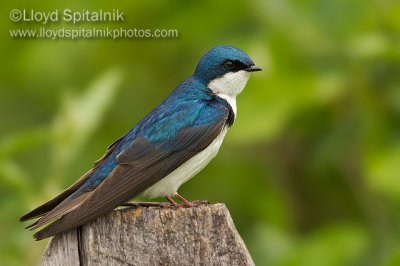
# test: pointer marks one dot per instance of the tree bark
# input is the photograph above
(137, 235)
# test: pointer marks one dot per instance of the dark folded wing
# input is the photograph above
(140, 165)
(51, 204)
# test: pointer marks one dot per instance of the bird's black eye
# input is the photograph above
(229, 65)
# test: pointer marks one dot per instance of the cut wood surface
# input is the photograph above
(137, 235)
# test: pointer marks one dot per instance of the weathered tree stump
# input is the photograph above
(203, 235)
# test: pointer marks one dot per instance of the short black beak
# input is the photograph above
(253, 69)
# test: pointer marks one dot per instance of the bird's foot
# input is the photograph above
(185, 202)
(172, 204)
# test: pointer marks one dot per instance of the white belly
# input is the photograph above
(170, 184)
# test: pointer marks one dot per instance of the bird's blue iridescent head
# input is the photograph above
(221, 60)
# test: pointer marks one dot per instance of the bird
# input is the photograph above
(169, 146)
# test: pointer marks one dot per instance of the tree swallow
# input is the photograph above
(164, 150)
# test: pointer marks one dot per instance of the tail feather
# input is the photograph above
(50, 230)
(54, 211)
(62, 209)
(32, 225)
(45, 208)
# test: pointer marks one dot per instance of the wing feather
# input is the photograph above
(141, 165)
(47, 207)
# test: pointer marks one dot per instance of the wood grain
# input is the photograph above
(137, 235)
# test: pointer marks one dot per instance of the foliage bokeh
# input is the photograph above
(310, 170)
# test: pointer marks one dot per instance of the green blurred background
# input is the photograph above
(310, 170)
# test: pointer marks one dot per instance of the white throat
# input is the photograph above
(230, 85)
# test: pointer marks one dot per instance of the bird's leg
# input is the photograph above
(172, 202)
(184, 201)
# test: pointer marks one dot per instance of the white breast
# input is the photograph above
(169, 185)
(226, 87)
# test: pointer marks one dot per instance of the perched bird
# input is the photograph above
(164, 150)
